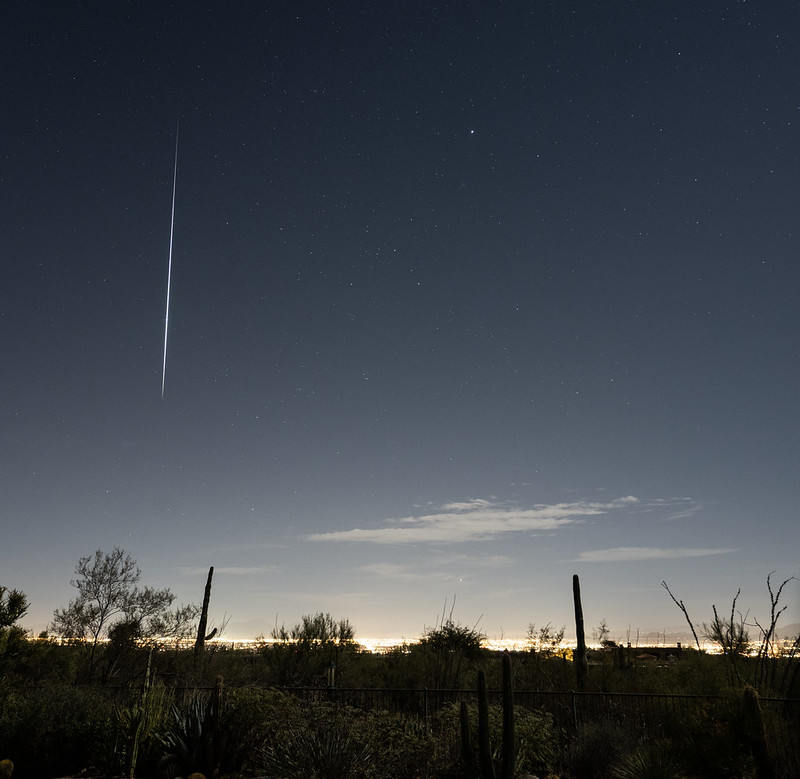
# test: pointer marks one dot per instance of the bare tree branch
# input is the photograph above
(679, 604)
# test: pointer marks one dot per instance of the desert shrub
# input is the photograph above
(302, 655)
(536, 737)
(597, 746)
(56, 731)
(406, 749)
(649, 761)
(37, 662)
(698, 673)
(714, 742)
(12, 646)
(398, 668)
(231, 739)
(542, 671)
(331, 740)
(449, 651)
(252, 717)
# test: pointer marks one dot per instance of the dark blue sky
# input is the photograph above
(466, 277)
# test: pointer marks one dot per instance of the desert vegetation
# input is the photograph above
(107, 693)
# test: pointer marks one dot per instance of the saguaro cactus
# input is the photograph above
(467, 755)
(581, 665)
(201, 628)
(485, 761)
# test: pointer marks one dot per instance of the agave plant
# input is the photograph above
(319, 748)
(138, 723)
(195, 743)
(649, 761)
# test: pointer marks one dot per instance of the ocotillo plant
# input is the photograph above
(581, 665)
(485, 762)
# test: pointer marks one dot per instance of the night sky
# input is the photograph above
(466, 298)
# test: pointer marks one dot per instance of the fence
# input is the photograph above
(653, 718)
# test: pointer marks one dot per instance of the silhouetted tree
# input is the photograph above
(109, 595)
(13, 606)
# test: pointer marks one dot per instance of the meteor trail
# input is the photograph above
(169, 270)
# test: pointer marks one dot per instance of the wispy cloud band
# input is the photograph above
(630, 553)
(474, 520)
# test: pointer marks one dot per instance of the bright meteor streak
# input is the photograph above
(169, 268)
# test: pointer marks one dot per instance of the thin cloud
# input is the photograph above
(631, 553)
(403, 572)
(387, 569)
(475, 520)
(685, 513)
(468, 505)
(447, 567)
(234, 570)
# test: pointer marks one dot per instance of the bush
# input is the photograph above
(320, 740)
(597, 747)
(253, 717)
(405, 749)
(714, 741)
(57, 731)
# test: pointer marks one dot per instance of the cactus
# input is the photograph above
(467, 754)
(485, 761)
(484, 749)
(507, 769)
(581, 665)
(201, 628)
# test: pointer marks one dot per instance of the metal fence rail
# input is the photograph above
(647, 716)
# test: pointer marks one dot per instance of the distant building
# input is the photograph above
(658, 653)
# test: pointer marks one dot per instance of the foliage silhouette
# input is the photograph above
(109, 596)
